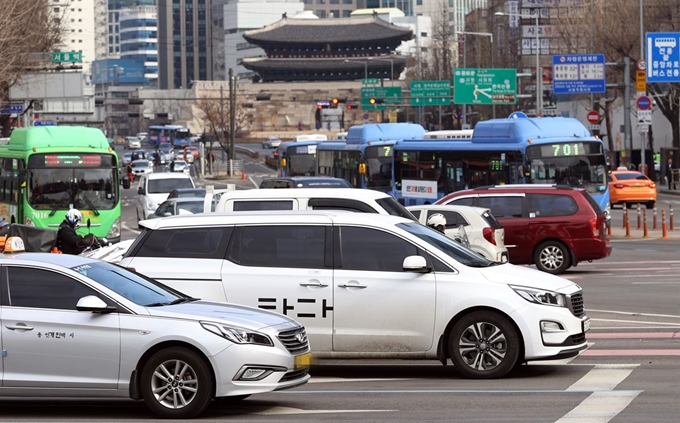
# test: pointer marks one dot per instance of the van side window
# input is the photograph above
(205, 243)
(503, 207)
(465, 201)
(371, 249)
(545, 205)
(340, 204)
(251, 205)
(282, 246)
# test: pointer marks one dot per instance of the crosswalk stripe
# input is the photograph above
(600, 407)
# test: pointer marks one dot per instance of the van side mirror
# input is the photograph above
(416, 264)
(126, 182)
(141, 191)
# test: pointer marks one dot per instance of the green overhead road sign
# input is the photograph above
(67, 56)
(430, 93)
(485, 86)
(370, 81)
(380, 98)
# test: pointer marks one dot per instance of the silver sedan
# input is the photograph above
(73, 327)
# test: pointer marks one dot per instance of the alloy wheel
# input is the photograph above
(174, 384)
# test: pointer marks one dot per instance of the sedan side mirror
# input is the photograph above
(94, 304)
(141, 191)
(416, 264)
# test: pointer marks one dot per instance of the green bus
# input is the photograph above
(45, 171)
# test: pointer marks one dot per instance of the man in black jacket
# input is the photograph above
(68, 241)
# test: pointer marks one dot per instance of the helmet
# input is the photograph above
(73, 216)
(436, 221)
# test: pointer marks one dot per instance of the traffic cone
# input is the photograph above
(243, 175)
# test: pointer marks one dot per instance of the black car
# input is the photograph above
(305, 182)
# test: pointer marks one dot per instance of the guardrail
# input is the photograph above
(247, 152)
(226, 168)
(271, 162)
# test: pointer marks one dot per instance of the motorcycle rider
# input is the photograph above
(68, 241)
(437, 221)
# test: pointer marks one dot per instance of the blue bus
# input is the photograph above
(298, 157)
(177, 135)
(364, 159)
(502, 151)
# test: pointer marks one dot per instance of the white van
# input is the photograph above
(347, 199)
(369, 285)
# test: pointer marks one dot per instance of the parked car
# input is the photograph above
(154, 189)
(74, 326)
(629, 188)
(177, 206)
(132, 143)
(552, 226)
(370, 285)
(305, 182)
(187, 193)
(141, 167)
(271, 142)
(485, 234)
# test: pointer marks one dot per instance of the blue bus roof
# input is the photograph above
(362, 134)
(457, 145)
(503, 130)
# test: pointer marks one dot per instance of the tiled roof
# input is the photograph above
(336, 64)
(337, 30)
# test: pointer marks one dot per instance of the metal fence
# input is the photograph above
(233, 168)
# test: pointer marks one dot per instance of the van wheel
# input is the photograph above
(484, 345)
(176, 384)
(552, 257)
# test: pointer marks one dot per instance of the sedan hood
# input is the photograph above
(230, 314)
(511, 274)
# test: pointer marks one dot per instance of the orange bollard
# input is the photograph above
(243, 175)
(670, 217)
(664, 234)
(609, 229)
(627, 226)
(639, 218)
(625, 216)
(654, 220)
(645, 234)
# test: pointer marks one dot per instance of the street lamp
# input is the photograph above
(364, 63)
(391, 66)
(539, 78)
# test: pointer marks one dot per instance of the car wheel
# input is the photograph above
(552, 257)
(176, 384)
(650, 205)
(484, 345)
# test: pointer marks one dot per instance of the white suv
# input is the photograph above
(369, 285)
(154, 188)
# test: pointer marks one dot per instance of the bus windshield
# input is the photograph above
(577, 164)
(57, 182)
(378, 167)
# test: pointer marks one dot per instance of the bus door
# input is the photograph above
(454, 176)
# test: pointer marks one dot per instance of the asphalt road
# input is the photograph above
(630, 372)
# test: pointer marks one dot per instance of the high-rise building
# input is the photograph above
(405, 6)
(184, 42)
(333, 9)
(78, 20)
(112, 39)
(458, 9)
(139, 39)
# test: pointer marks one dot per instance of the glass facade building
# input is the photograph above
(139, 39)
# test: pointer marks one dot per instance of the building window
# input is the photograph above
(346, 13)
(321, 2)
(347, 1)
(56, 10)
(419, 2)
(334, 1)
(321, 13)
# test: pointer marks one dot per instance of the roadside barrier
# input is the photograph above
(625, 216)
(654, 222)
(664, 234)
(627, 224)
(639, 222)
(645, 233)
(670, 217)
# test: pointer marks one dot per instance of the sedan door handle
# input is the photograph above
(19, 326)
(344, 285)
(317, 284)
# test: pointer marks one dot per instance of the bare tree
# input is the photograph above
(25, 27)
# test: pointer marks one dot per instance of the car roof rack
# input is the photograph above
(524, 186)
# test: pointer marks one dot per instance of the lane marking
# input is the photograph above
(628, 262)
(628, 353)
(127, 228)
(250, 178)
(628, 335)
(440, 391)
(317, 379)
(634, 327)
(603, 377)
(663, 324)
(289, 410)
(600, 407)
(632, 313)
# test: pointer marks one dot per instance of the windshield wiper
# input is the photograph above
(88, 201)
(60, 203)
(177, 301)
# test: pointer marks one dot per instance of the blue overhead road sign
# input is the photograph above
(11, 109)
(578, 74)
(44, 123)
(663, 57)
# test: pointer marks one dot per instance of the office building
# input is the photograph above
(139, 39)
(184, 42)
(79, 28)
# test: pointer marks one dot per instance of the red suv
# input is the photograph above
(552, 226)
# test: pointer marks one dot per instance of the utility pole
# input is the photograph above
(221, 127)
(628, 139)
(232, 117)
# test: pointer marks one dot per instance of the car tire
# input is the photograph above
(552, 257)
(484, 345)
(186, 390)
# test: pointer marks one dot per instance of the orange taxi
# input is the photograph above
(191, 150)
(628, 187)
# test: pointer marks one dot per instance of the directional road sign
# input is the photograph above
(578, 74)
(430, 93)
(66, 56)
(485, 86)
(663, 57)
(384, 97)
(44, 123)
(11, 109)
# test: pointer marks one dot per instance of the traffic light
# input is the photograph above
(376, 101)
(335, 101)
(350, 107)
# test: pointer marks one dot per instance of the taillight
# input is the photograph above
(652, 185)
(489, 235)
(618, 185)
(594, 227)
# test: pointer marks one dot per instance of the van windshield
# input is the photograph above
(446, 245)
(393, 207)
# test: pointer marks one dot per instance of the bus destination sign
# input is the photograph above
(73, 160)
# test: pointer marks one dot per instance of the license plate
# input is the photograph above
(304, 360)
(585, 325)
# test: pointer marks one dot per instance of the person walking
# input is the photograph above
(669, 173)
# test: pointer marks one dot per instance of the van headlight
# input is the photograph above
(541, 296)
(238, 335)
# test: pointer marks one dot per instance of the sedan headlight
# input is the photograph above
(238, 335)
(541, 296)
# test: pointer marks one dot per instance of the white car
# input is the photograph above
(370, 285)
(143, 136)
(77, 327)
(271, 142)
(141, 167)
(154, 189)
(132, 143)
(485, 234)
